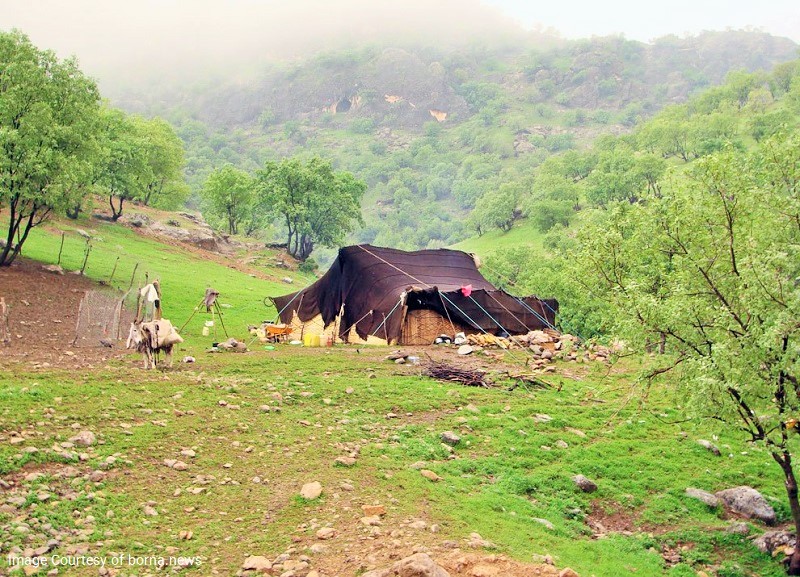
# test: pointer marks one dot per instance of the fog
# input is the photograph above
(118, 38)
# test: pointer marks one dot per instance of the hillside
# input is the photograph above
(432, 130)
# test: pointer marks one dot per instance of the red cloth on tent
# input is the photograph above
(466, 290)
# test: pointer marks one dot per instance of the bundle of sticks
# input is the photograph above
(445, 372)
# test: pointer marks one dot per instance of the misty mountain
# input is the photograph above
(432, 129)
(401, 86)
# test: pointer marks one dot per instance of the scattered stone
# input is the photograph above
(478, 542)
(371, 510)
(430, 475)
(541, 418)
(311, 491)
(188, 359)
(482, 570)
(418, 525)
(545, 522)
(772, 540)
(450, 438)
(188, 453)
(577, 432)
(419, 565)
(561, 444)
(708, 498)
(748, 502)
(465, 350)
(150, 511)
(318, 548)
(257, 563)
(345, 461)
(371, 520)
(326, 533)
(84, 439)
(180, 466)
(567, 573)
(584, 484)
(738, 529)
(708, 445)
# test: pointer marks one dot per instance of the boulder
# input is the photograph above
(748, 502)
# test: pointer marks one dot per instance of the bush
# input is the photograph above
(308, 266)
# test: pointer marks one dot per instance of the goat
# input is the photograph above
(152, 337)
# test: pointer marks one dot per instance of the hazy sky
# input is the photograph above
(645, 20)
(119, 37)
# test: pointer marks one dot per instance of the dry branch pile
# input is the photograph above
(445, 372)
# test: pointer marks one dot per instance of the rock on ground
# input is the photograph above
(708, 498)
(584, 484)
(84, 439)
(419, 565)
(771, 540)
(708, 445)
(748, 502)
(257, 563)
(311, 491)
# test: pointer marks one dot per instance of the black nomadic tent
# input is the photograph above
(377, 292)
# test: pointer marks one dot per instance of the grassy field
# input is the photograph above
(523, 234)
(239, 495)
(254, 428)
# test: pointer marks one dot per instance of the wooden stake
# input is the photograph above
(5, 329)
(86, 252)
(61, 248)
(111, 278)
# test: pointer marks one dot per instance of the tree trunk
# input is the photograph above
(115, 213)
(785, 461)
(7, 260)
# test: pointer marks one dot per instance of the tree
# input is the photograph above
(228, 194)
(713, 266)
(163, 155)
(496, 209)
(123, 169)
(48, 112)
(317, 204)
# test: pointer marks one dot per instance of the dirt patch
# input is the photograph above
(43, 311)
(603, 520)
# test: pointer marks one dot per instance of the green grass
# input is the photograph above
(507, 471)
(496, 481)
(523, 234)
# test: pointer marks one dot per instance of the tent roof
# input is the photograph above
(370, 281)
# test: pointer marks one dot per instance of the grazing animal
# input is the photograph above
(151, 338)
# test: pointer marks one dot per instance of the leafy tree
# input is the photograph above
(496, 209)
(123, 170)
(712, 267)
(164, 159)
(228, 193)
(317, 204)
(48, 112)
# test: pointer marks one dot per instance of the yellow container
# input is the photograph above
(307, 340)
(315, 341)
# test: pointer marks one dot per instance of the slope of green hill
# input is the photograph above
(184, 272)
